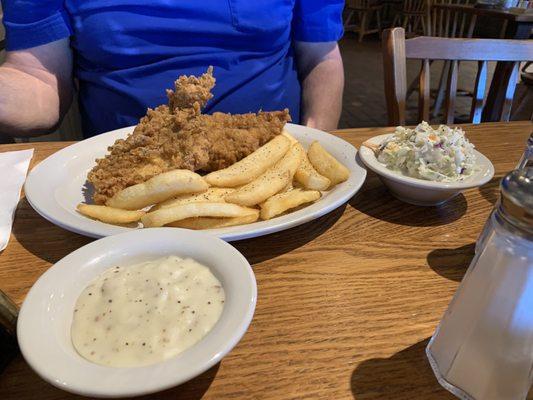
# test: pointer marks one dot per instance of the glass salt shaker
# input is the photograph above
(483, 347)
(525, 161)
(527, 157)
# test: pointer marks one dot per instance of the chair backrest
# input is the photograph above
(361, 4)
(451, 23)
(414, 5)
(396, 50)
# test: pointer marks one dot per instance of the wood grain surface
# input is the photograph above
(346, 303)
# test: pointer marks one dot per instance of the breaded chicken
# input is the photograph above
(177, 135)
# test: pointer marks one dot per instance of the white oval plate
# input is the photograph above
(43, 327)
(58, 184)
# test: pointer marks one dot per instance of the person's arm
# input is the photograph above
(35, 89)
(322, 76)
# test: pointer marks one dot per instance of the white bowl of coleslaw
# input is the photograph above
(426, 166)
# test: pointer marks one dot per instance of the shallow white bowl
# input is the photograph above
(419, 191)
(45, 318)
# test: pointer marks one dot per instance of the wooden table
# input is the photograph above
(346, 303)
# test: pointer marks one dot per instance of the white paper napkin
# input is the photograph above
(13, 168)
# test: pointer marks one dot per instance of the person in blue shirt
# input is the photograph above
(121, 55)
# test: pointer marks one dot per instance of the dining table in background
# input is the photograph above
(346, 303)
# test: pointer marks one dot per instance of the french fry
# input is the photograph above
(109, 215)
(157, 189)
(194, 210)
(325, 164)
(269, 183)
(292, 139)
(287, 188)
(250, 167)
(282, 202)
(307, 175)
(212, 195)
(213, 223)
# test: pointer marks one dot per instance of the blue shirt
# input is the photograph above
(127, 52)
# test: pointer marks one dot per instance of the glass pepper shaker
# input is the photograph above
(483, 347)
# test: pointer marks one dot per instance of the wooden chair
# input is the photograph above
(396, 50)
(524, 104)
(451, 24)
(411, 15)
(363, 11)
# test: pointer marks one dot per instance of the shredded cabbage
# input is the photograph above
(443, 154)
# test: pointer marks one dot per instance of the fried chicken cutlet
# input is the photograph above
(177, 135)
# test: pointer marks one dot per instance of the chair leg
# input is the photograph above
(362, 28)
(414, 84)
(405, 21)
(416, 22)
(412, 88)
(395, 20)
(524, 104)
(424, 29)
(439, 98)
(348, 19)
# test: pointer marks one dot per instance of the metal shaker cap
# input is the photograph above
(527, 157)
(517, 198)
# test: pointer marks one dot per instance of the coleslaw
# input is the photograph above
(443, 154)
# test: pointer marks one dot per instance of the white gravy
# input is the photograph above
(145, 313)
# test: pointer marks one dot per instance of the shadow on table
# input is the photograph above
(376, 201)
(19, 381)
(193, 389)
(451, 263)
(270, 246)
(491, 190)
(45, 240)
(405, 375)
